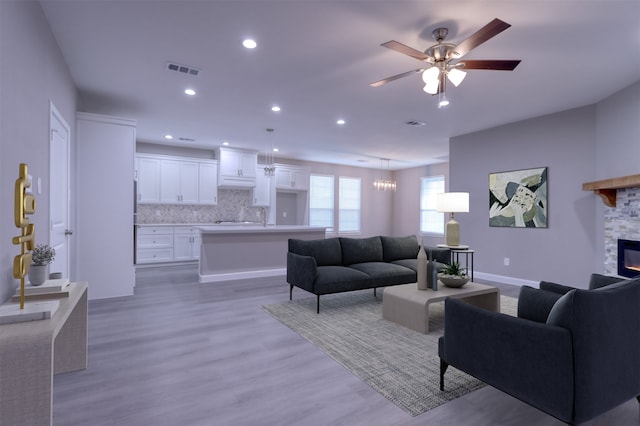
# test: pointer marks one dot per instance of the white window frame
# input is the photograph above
(428, 205)
(342, 201)
(330, 229)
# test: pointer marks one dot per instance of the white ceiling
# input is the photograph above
(316, 59)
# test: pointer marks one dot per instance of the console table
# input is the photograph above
(32, 352)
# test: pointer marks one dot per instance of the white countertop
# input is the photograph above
(253, 229)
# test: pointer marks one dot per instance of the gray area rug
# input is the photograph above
(399, 363)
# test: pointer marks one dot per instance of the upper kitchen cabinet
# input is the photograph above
(178, 182)
(236, 168)
(292, 178)
(148, 177)
(262, 191)
(208, 183)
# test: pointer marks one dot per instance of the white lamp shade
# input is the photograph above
(431, 75)
(456, 76)
(453, 202)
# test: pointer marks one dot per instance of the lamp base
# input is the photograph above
(452, 233)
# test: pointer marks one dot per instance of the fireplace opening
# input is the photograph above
(628, 258)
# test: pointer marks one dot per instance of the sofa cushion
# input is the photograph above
(598, 281)
(326, 252)
(383, 274)
(407, 263)
(360, 250)
(396, 248)
(336, 279)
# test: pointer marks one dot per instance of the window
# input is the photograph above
(349, 205)
(431, 221)
(321, 200)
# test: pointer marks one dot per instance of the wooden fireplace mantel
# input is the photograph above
(607, 188)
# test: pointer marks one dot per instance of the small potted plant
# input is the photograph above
(41, 256)
(453, 275)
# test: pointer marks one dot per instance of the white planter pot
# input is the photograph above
(38, 274)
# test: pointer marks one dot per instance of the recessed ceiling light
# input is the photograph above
(225, 143)
(190, 92)
(275, 108)
(249, 44)
(340, 122)
(275, 150)
(168, 137)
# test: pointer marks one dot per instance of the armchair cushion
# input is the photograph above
(554, 287)
(535, 304)
(598, 281)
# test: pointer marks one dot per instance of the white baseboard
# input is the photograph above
(506, 280)
(212, 278)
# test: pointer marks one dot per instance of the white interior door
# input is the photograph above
(59, 230)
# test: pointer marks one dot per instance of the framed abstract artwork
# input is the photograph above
(518, 199)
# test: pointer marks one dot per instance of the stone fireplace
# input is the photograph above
(622, 223)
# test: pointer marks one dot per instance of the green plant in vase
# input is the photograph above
(41, 256)
(453, 275)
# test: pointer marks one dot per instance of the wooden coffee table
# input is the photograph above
(408, 306)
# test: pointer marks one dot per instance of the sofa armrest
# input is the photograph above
(301, 271)
(439, 254)
(528, 360)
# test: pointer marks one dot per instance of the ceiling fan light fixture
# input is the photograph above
(456, 76)
(444, 102)
(430, 75)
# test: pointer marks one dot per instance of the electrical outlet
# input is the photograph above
(506, 261)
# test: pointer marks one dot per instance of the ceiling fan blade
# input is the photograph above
(488, 64)
(394, 77)
(490, 30)
(403, 48)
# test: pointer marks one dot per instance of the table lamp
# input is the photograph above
(453, 202)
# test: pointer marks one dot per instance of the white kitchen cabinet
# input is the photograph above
(262, 191)
(208, 183)
(292, 178)
(148, 180)
(154, 244)
(237, 168)
(178, 182)
(186, 243)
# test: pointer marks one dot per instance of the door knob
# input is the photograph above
(68, 232)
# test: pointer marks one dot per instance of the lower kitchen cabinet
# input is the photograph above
(162, 244)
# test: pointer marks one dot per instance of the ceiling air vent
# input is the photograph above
(186, 139)
(184, 69)
(415, 123)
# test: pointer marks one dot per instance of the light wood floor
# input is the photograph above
(183, 353)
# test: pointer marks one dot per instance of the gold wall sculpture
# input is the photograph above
(24, 205)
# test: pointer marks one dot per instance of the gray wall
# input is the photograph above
(32, 72)
(406, 201)
(618, 148)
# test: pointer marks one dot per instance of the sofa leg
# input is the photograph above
(443, 368)
(290, 291)
(374, 292)
(318, 304)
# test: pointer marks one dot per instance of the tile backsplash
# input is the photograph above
(232, 205)
(623, 222)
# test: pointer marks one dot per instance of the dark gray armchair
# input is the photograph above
(580, 361)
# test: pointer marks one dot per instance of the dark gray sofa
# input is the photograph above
(339, 264)
(574, 361)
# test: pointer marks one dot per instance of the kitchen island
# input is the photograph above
(248, 251)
